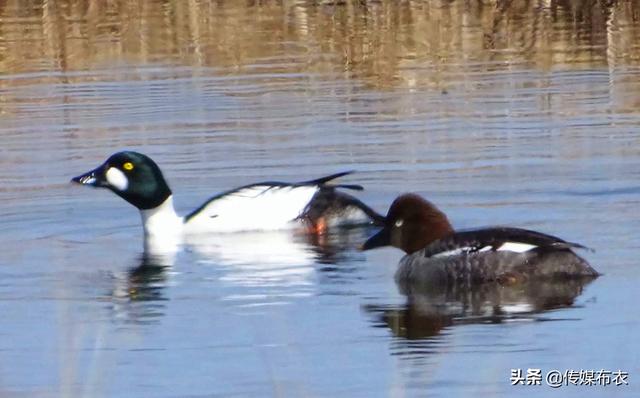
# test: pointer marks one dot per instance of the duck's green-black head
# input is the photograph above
(132, 176)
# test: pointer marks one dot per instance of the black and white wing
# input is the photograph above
(255, 207)
(269, 205)
(497, 239)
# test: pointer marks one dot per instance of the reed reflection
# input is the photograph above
(385, 43)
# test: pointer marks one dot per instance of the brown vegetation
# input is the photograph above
(384, 42)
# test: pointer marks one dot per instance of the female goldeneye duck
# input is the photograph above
(315, 204)
(438, 254)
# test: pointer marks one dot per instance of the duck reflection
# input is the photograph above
(337, 247)
(278, 258)
(255, 259)
(147, 281)
(430, 309)
(139, 294)
(275, 264)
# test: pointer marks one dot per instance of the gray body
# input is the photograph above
(500, 266)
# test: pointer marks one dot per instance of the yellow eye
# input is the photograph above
(128, 166)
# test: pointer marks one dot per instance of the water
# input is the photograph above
(523, 114)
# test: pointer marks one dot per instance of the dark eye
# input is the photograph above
(128, 166)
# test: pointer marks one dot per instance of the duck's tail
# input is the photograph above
(326, 179)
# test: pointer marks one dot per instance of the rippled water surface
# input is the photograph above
(516, 113)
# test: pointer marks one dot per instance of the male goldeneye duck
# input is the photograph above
(437, 254)
(315, 204)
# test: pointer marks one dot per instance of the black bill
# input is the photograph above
(381, 238)
(94, 178)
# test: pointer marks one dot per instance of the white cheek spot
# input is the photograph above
(516, 247)
(399, 223)
(117, 179)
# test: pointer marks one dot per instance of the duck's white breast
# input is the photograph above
(258, 207)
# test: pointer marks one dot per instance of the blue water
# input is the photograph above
(276, 314)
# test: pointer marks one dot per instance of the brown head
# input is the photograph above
(411, 224)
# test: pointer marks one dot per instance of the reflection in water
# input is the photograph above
(429, 311)
(139, 293)
(276, 263)
(277, 259)
(527, 110)
(147, 281)
(333, 248)
(385, 43)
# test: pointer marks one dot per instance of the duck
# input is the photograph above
(436, 254)
(313, 205)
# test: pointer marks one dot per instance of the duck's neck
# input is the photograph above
(162, 219)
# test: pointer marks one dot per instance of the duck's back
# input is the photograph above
(494, 254)
(279, 205)
(267, 206)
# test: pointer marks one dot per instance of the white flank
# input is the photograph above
(516, 308)
(516, 247)
(162, 220)
(453, 252)
(349, 216)
(117, 179)
(260, 207)
(507, 246)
